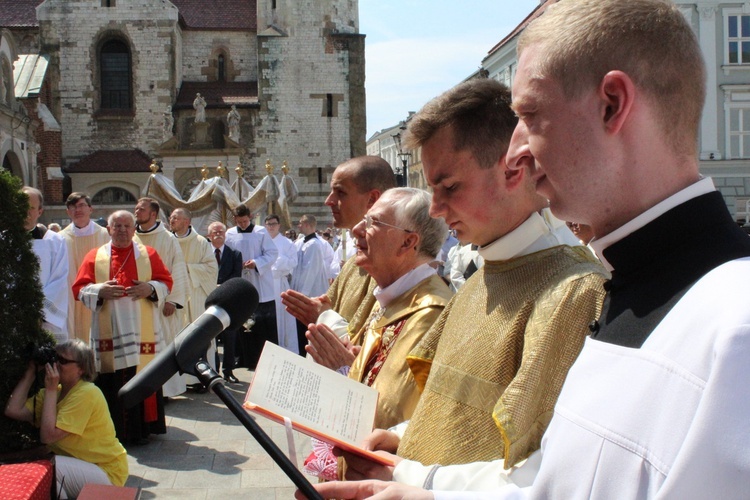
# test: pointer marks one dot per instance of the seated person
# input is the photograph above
(395, 243)
(72, 416)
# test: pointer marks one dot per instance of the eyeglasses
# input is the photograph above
(64, 361)
(272, 223)
(369, 221)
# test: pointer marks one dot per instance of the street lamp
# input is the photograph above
(402, 174)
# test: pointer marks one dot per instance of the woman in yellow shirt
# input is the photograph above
(73, 420)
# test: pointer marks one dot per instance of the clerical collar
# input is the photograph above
(539, 232)
(37, 233)
(385, 296)
(86, 230)
(139, 230)
(310, 236)
(703, 186)
(248, 230)
(190, 230)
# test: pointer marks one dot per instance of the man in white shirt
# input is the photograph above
(609, 96)
(286, 262)
(81, 235)
(310, 277)
(52, 253)
(259, 254)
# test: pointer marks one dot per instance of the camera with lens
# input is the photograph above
(43, 354)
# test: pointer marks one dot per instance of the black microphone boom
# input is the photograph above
(228, 306)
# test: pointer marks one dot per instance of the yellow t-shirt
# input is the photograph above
(84, 414)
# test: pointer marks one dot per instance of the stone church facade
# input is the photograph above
(121, 78)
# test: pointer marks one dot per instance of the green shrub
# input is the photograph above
(22, 299)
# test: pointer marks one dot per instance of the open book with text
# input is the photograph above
(319, 402)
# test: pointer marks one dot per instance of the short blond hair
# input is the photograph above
(580, 41)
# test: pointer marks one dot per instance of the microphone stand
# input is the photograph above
(211, 380)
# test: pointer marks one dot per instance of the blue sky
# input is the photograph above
(416, 49)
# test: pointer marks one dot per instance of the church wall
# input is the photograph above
(306, 97)
(201, 49)
(74, 30)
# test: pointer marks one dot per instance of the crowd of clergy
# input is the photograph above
(511, 356)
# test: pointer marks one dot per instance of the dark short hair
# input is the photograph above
(479, 113)
(74, 198)
(273, 217)
(242, 211)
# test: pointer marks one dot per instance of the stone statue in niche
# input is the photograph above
(168, 124)
(199, 105)
(233, 120)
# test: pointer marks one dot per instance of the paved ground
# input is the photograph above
(206, 453)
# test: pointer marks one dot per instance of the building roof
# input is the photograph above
(538, 11)
(194, 14)
(386, 133)
(218, 14)
(218, 94)
(18, 13)
(127, 160)
(28, 73)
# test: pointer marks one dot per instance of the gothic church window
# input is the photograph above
(112, 196)
(221, 69)
(115, 75)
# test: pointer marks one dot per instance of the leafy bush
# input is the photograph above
(20, 315)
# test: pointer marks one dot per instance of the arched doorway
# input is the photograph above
(12, 164)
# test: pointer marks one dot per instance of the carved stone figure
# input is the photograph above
(233, 120)
(199, 105)
(168, 124)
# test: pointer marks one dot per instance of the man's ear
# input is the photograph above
(373, 197)
(616, 94)
(513, 176)
(410, 242)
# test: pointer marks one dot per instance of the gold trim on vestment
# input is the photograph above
(102, 274)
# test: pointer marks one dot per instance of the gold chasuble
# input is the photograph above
(388, 338)
(498, 355)
(351, 296)
(106, 345)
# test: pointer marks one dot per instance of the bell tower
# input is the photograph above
(311, 90)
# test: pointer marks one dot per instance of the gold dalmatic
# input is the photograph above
(498, 355)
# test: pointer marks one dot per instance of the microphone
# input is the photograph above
(228, 306)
